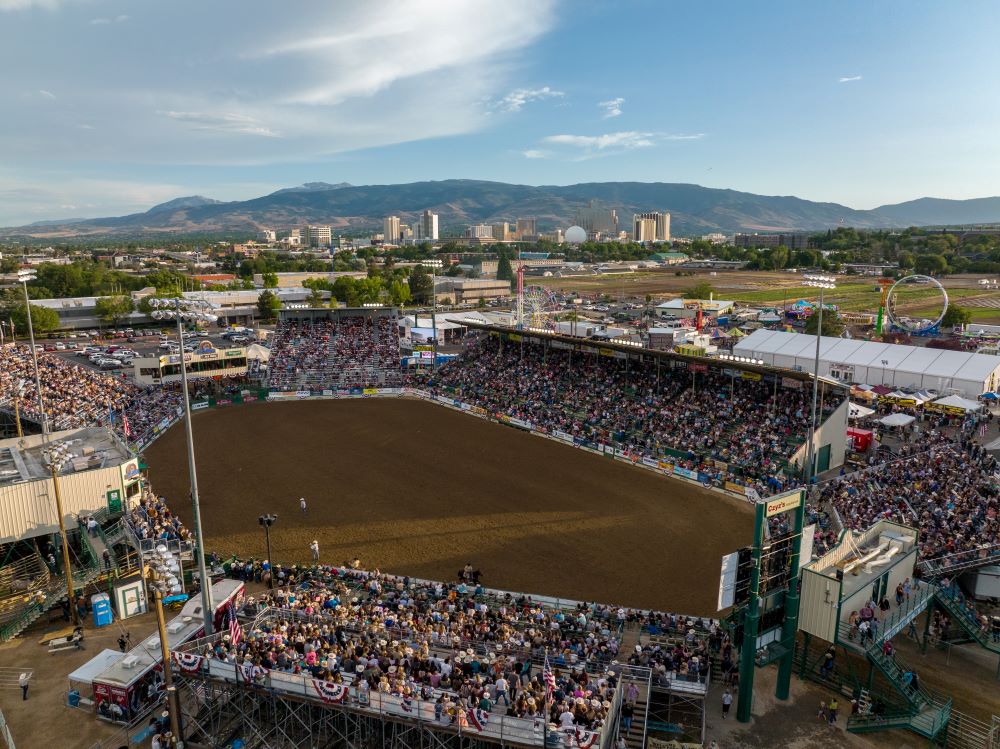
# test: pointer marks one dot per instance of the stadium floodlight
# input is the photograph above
(56, 456)
(184, 310)
(822, 283)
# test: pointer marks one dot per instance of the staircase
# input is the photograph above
(55, 593)
(950, 600)
(635, 737)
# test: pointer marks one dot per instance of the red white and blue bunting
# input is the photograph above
(478, 719)
(332, 694)
(586, 739)
(188, 662)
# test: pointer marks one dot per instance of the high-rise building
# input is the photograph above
(597, 220)
(526, 228)
(317, 236)
(501, 232)
(391, 230)
(479, 231)
(405, 232)
(427, 227)
(657, 231)
(268, 235)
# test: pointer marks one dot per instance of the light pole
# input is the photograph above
(159, 587)
(181, 310)
(56, 456)
(822, 283)
(266, 521)
(18, 393)
(885, 363)
(23, 276)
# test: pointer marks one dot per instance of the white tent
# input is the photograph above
(897, 420)
(254, 351)
(957, 401)
(856, 411)
(83, 678)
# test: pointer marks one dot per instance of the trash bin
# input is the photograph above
(74, 698)
(100, 603)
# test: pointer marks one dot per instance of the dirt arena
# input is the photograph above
(411, 487)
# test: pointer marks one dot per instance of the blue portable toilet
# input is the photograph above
(100, 603)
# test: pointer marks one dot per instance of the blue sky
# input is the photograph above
(114, 105)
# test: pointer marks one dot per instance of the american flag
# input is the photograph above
(235, 630)
(548, 678)
(982, 429)
(127, 429)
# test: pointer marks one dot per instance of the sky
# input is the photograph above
(112, 106)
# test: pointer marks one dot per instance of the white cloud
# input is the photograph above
(227, 122)
(535, 153)
(516, 99)
(46, 94)
(849, 79)
(583, 147)
(23, 4)
(106, 21)
(612, 107)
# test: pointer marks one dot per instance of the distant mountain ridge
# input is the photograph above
(694, 209)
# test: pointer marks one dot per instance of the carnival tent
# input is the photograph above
(957, 401)
(896, 420)
(856, 411)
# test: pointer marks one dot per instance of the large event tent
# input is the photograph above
(875, 363)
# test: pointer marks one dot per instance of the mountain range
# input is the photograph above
(694, 209)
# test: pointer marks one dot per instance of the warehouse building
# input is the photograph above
(875, 363)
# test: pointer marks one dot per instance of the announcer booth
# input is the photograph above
(204, 361)
(761, 583)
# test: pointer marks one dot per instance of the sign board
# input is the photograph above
(727, 581)
(114, 497)
(783, 503)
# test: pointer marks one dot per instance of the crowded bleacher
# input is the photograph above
(72, 396)
(351, 351)
(712, 417)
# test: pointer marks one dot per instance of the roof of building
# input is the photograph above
(891, 356)
(93, 447)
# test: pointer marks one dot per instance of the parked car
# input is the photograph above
(60, 346)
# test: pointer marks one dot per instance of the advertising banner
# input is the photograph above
(686, 473)
(302, 394)
(565, 437)
(199, 405)
(421, 336)
(249, 398)
(519, 423)
(734, 487)
(223, 402)
(755, 376)
(650, 462)
(369, 391)
(703, 368)
(788, 382)
(666, 466)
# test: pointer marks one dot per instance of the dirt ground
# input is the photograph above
(44, 720)
(411, 487)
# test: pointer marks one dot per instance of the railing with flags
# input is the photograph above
(485, 725)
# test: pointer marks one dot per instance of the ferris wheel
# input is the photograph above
(923, 292)
(538, 303)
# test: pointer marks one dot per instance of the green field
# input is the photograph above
(853, 297)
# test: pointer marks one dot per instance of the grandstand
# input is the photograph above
(321, 349)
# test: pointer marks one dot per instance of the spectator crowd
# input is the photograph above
(351, 351)
(729, 428)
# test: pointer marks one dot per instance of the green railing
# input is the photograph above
(951, 600)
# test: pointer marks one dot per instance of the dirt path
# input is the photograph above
(415, 488)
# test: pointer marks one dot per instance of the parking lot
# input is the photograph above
(114, 350)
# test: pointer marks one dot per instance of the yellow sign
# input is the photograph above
(730, 486)
(782, 504)
(751, 376)
(515, 337)
(606, 351)
(370, 391)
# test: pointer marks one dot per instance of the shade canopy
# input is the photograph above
(897, 420)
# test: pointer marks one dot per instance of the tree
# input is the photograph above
(906, 260)
(701, 290)
(399, 292)
(43, 319)
(270, 280)
(114, 309)
(421, 285)
(931, 265)
(315, 298)
(832, 326)
(268, 304)
(504, 270)
(955, 315)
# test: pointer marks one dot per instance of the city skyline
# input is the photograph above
(114, 106)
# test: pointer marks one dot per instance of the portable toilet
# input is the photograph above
(100, 603)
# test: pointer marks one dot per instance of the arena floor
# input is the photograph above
(411, 487)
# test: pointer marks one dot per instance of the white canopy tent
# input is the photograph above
(83, 678)
(255, 351)
(857, 411)
(957, 401)
(897, 420)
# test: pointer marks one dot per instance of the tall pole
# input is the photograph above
(208, 609)
(168, 677)
(67, 569)
(751, 622)
(810, 469)
(34, 358)
(17, 415)
(791, 623)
